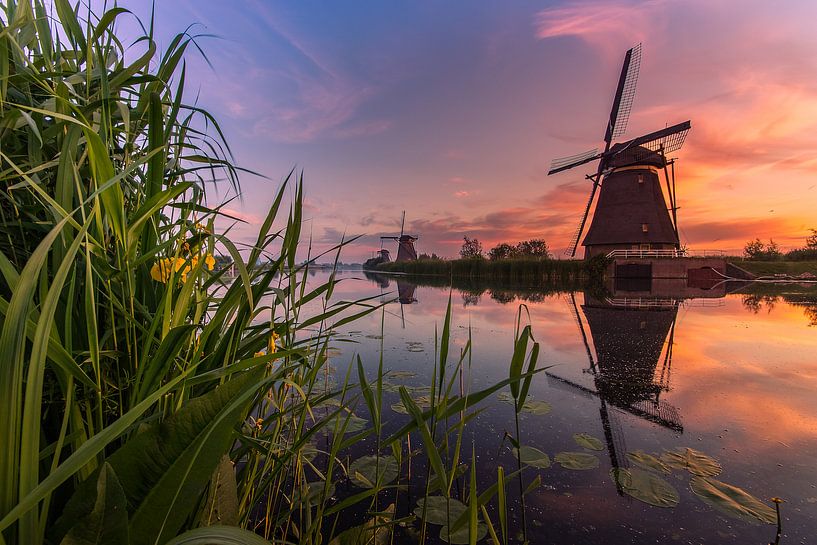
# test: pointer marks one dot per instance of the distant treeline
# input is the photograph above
(510, 272)
(756, 250)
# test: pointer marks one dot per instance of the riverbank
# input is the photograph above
(512, 272)
(770, 268)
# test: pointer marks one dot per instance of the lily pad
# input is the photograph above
(505, 397)
(401, 374)
(694, 461)
(413, 346)
(732, 501)
(314, 492)
(588, 441)
(536, 407)
(532, 457)
(462, 535)
(578, 461)
(648, 461)
(423, 402)
(354, 425)
(647, 487)
(440, 510)
(364, 471)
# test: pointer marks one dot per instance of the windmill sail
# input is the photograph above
(665, 141)
(625, 93)
(566, 163)
(574, 242)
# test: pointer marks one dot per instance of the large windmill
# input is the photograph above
(405, 248)
(632, 212)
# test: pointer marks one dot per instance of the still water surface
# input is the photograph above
(732, 375)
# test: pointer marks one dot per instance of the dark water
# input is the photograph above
(733, 375)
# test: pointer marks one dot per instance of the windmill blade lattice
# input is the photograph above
(625, 104)
(666, 140)
(565, 163)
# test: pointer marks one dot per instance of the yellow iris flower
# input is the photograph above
(271, 346)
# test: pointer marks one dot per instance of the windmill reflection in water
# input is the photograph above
(629, 343)
(405, 290)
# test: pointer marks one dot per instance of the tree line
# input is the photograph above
(537, 247)
(757, 250)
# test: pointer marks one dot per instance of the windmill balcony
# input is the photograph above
(653, 253)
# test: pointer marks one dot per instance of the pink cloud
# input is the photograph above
(605, 25)
(461, 194)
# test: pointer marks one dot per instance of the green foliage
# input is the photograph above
(471, 248)
(534, 248)
(133, 367)
(757, 251)
(502, 251)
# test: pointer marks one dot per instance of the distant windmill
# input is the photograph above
(631, 212)
(405, 248)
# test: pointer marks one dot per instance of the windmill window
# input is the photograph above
(645, 228)
(640, 178)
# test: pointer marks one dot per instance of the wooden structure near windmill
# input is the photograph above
(405, 243)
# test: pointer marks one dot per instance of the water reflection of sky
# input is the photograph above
(743, 379)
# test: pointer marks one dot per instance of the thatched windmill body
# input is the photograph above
(405, 248)
(632, 213)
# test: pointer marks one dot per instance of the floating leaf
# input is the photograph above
(440, 510)
(354, 425)
(536, 407)
(694, 461)
(424, 402)
(648, 461)
(402, 374)
(532, 457)
(645, 486)
(377, 531)
(365, 471)
(413, 346)
(588, 441)
(505, 397)
(577, 460)
(314, 493)
(462, 535)
(732, 501)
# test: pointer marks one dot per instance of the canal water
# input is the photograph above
(709, 391)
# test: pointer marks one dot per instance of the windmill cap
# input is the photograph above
(621, 156)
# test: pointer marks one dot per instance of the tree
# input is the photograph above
(471, 248)
(502, 251)
(753, 249)
(811, 240)
(757, 251)
(536, 247)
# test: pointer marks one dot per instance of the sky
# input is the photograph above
(452, 111)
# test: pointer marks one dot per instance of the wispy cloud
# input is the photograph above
(606, 25)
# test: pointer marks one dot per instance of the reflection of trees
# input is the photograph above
(811, 313)
(503, 296)
(470, 299)
(756, 302)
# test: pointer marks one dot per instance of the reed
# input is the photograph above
(144, 396)
(522, 272)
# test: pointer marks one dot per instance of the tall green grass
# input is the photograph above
(145, 398)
